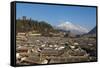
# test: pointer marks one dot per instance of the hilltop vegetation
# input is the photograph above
(24, 25)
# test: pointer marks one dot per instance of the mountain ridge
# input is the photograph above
(74, 28)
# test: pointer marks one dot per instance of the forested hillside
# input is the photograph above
(24, 25)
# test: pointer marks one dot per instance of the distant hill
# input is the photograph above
(93, 31)
(29, 25)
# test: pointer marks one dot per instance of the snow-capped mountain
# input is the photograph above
(73, 28)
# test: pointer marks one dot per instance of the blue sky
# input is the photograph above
(55, 14)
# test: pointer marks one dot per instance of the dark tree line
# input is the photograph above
(25, 25)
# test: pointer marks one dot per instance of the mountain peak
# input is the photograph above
(67, 22)
(74, 28)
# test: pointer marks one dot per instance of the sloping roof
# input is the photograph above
(50, 52)
(22, 49)
(32, 60)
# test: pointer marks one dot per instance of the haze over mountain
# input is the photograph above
(73, 28)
